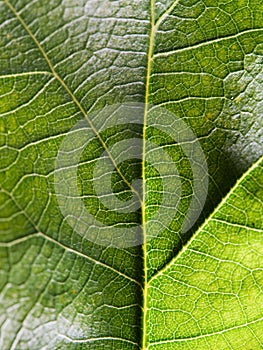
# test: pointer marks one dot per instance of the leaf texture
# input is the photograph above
(61, 62)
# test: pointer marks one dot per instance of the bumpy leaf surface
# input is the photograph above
(61, 62)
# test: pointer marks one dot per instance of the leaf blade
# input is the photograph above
(36, 114)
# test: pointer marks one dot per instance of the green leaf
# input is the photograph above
(210, 295)
(185, 78)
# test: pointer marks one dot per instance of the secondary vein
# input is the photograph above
(71, 94)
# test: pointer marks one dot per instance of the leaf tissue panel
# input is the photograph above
(177, 85)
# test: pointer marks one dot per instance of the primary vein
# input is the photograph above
(146, 108)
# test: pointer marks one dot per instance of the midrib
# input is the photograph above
(143, 209)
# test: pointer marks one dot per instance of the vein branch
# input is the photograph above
(71, 94)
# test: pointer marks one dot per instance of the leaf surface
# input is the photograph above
(60, 63)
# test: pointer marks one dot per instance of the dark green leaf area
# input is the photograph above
(121, 177)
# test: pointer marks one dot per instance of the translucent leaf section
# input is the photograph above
(210, 295)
